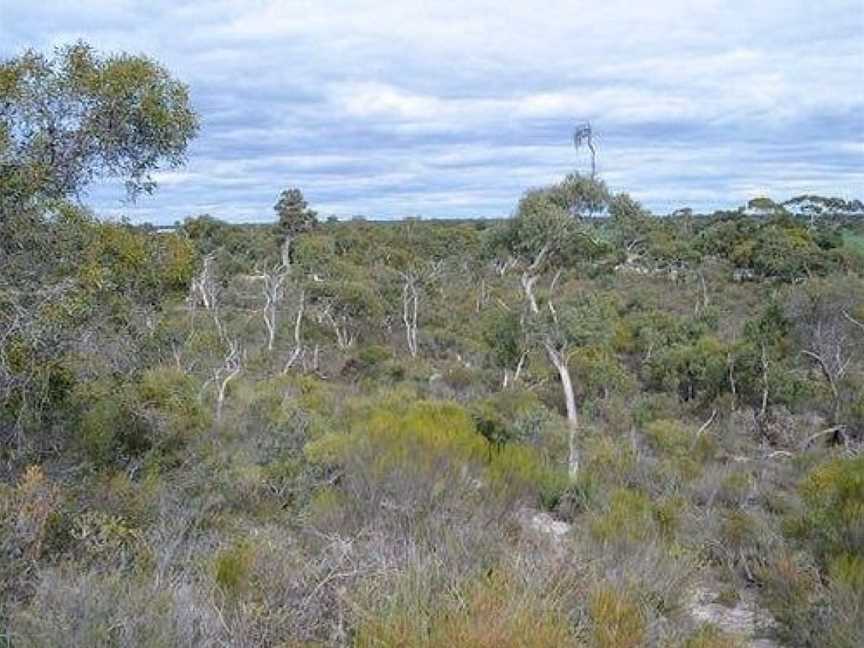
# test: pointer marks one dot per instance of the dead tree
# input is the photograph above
(413, 282)
(298, 338)
(582, 135)
(340, 322)
(273, 290)
(222, 375)
(205, 290)
(410, 306)
(830, 337)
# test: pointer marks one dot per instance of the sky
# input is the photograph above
(453, 109)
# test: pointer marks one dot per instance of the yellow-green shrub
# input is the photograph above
(618, 621)
(847, 570)
(667, 515)
(627, 517)
(424, 436)
(494, 612)
(681, 448)
(522, 467)
(609, 460)
(232, 567)
(833, 518)
(631, 516)
(393, 435)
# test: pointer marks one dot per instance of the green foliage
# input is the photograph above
(545, 222)
(695, 370)
(854, 242)
(343, 497)
(396, 433)
(518, 468)
(159, 412)
(609, 459)
(601, 373)
(435, 439)
(681, 447)
(502, 332)
(232, 567)
(293, 213)
(847, 571)
(833, 519)
(779, 248)
(785, 251)
(119, 115)
(513, 417)
(629, 514)
(809, 612)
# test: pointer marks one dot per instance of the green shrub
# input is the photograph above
(810, 609)
(369, 362)
(608, 463)
(683, 450)
(652, 406)
(667, 515)
(459, 378)
(609, 460)
(847, 571)
(626, 519)
(232, 567)
(111, 427)
(832, 523)
(519, 467)
(746, 541)
(631, 517)
(515, 416)
(423, 437)
(161, 411)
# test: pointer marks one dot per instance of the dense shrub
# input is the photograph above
(435, 441)
(832, 523)
(160, 411)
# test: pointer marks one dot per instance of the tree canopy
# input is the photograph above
(68, 119)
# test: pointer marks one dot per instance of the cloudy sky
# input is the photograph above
(446, 109)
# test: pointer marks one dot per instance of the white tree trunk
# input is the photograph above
(560, 363)
(559, 360)
(340, 325)
(511, 377)
(226, 373)
(204, 290)
(298, 340)
(410, 304)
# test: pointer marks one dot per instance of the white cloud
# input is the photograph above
(453, 108)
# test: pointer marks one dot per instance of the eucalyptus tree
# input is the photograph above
(294, 218)
(631, 225)
(415, 262)
(505, 336)
(547, 237)
(78, 116)
(65, 121)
